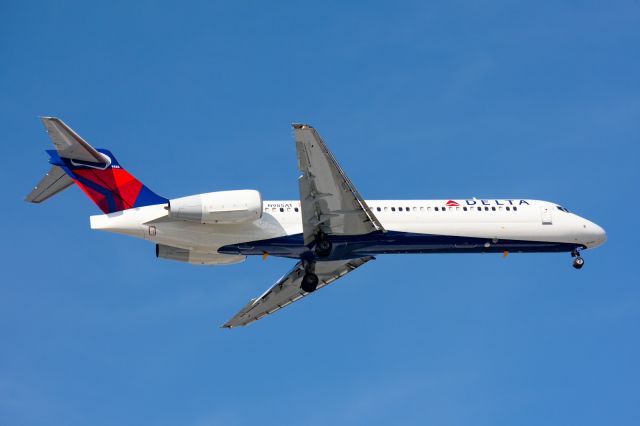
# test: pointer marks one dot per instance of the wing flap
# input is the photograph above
(287, 289)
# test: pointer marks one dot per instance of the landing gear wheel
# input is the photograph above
(323, 248)
(309, 282)
(578, 262)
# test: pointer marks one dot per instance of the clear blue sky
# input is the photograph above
(447, 99)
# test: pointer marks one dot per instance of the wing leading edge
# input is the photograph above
(287, 290)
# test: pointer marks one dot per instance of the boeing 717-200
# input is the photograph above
(330, 230)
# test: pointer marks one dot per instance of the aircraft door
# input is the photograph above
(546, 214)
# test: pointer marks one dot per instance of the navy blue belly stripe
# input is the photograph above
(345, 247)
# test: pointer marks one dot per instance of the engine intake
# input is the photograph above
(222, 207)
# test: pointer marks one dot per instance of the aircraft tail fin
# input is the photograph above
(95, 171)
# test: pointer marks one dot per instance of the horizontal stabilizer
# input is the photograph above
(55, 181)
(70, 145)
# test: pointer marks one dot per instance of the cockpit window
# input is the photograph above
(562, 209)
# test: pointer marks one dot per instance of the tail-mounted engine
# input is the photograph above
(222, 207)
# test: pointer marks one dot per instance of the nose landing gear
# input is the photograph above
(578, 261)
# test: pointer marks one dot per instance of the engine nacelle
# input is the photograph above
(222, 207)
(196, 257)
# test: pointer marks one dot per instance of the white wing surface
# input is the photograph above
(330, 203)
(287, 289)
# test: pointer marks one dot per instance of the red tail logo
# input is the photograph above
(452, 203)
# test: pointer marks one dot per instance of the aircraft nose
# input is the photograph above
(595, 234)
(601, 233)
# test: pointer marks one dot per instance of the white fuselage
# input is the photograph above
(477, 220)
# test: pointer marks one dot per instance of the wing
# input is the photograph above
(330, 203)
(287, 289)
(69, 144)
(53, 182)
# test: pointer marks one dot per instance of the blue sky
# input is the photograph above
(448, 99)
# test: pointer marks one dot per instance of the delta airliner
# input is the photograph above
(330, 230)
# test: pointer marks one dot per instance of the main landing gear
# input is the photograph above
(323, 246)
(310, 279)
(578, 261)
(309, 282)
(322, 249)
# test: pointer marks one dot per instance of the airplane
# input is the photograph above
(330, 230)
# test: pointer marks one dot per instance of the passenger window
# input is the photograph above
(415, 209)
(400, 209)
(436, 209)
(386, 209)
(393, 209)
(281, 209)
(515, 208)
(508, 209)
(407, 209)
(493, 208)
(295, 209)
(479, 209)
(486, 209)
(379, 209)
(464, 208)
(288, 209)
(421, 209)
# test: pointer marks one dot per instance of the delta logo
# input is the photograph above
(511, 202)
